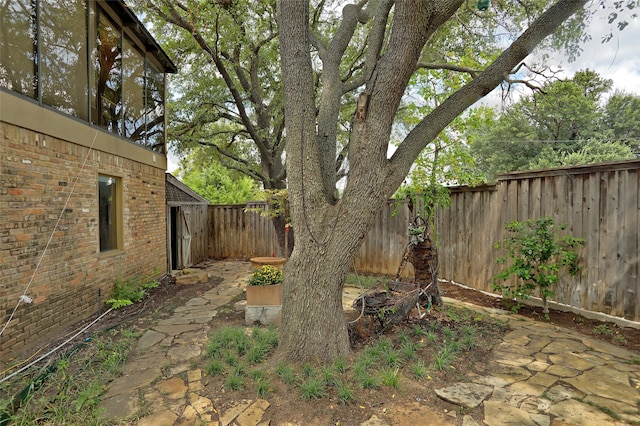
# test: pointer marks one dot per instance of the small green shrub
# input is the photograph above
(390, 377)
(340, 364)
(214, 367)
(345, 394)
(286, 373)
(263, 388)
(329, 376)
(392, 358)
(367, 381)
(419, 370)
(234, 382)
(535, 255)
(126, 292)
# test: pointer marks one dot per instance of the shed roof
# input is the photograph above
(179, 193)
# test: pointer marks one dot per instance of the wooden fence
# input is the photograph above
(599, 203)
(239, 231)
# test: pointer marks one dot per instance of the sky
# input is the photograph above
(618, 60)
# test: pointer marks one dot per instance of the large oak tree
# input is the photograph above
(329, 229)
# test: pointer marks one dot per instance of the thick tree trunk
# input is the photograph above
(284, 238)
(313, 324)
(424, 258)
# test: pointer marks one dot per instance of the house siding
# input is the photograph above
(73, 279)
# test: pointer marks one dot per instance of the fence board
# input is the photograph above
(629, 242)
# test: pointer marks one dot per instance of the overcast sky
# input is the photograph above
(619, 59)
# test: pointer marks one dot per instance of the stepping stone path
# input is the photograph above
(547, 375)
(540, 375)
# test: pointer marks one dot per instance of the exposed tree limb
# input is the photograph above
(489, 79)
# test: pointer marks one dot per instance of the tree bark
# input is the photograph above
(285, 239)
(313, 325)
(424, 258)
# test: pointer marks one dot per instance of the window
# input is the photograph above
(155, 108)
(107, 67)
(88, 59)
(133, 92)
(18, 46)
(63, 56)
(109, 213)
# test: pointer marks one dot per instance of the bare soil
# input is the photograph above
(627, 337)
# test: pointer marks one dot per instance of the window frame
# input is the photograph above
(118, 214)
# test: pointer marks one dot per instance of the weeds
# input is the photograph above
(286, 373)
(263, 388)
(419, 370)
(128, 291)
(68, 391)
(602, 329)
(390, 377)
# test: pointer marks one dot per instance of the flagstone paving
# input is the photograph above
(544, 375)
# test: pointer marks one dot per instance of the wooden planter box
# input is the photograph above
(267, 295)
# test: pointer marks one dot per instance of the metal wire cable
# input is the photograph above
(24, 297)
(355, 270)
(57, 347)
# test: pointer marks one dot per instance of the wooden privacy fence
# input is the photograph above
(238, 231)
(599, 203)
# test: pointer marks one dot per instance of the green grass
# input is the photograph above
(345, 393)
(234, 383)
(419, 370)
(390, 377)
(239, 359)
(312, 388)
(263, 388)
(286, 373)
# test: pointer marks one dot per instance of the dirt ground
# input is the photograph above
(626, 337)
(413, 402)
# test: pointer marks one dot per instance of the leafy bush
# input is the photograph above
(536, 255)
(129, 291)
(266, 275)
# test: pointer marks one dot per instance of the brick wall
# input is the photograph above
(73, 279)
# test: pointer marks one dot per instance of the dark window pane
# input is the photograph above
(63, 56)
(108, 217)
(133, 92)
(17, 46)
(107, 66)
(155, 109)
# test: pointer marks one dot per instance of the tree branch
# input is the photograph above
(458, 68)
(248, 171)
(217, 60)
(494, 74)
